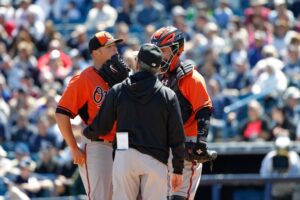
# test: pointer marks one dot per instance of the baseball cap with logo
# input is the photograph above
(150, 55)
(102, 39)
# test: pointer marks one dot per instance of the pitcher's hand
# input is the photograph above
(78, 156)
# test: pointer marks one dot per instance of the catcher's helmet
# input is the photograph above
(172, 37)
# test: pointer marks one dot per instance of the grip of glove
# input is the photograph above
(114, 70)
(198, 152)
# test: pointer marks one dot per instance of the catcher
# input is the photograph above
(195, 104)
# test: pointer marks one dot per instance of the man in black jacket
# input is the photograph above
(148, 124)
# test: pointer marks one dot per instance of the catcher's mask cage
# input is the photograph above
(169, 36)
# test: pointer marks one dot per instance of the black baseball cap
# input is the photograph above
(150, 55)
(102, 39)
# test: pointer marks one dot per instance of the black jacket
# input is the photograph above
(149, 112)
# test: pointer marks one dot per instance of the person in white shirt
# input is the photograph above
(101, 16)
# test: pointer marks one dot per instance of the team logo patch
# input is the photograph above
(107, 35)
(98, 95)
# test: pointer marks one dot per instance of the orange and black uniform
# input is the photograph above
(84, 96)
(190, 88)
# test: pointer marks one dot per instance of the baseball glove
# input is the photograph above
(114, 70)
(198, 152)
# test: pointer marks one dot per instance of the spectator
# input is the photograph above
(122, 31)
(47, 164)
(124, 12)
(5, 164)
(240, 81)
(238, 51)
(236, 29)
(214, 40)
(101, 16)
(178, 13)
(78, 40)
(71, 14)
(223, 13)
(45, 58)
(257, 13)
(256, 19)
(218, 129)
(26, 6)
(35, 27)
(55, 67)
(4, 92)
(23, 131)
(79, 62)
(12, 75)
(295, 7)
(200, 23)
(291, 103)
(210, 66)
(7, 25)
(28, 183)
(255, 50)
(43, 137)
(9, 10)
(4, 113)
(21, 100)
(281, 12)
(282, 36)
(52, 9)
(26, 61)
(150, 8)
(269, 57)
(255, 126)
(53, 128)
(292, 68)
(282, 161)
(281, 126)
(21, 34)
(149, 30)
(271, 84)
(180, 23)
(49, 35)
(21, 150)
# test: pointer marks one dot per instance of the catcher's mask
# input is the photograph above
(169, 36)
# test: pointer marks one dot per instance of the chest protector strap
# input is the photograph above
(186, 108)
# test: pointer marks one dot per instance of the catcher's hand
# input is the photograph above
(114, 70)
(198, 152)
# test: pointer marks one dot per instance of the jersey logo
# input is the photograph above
(165, 82)
(98, 95)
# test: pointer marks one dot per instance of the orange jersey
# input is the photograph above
(192, 86)
(84, 96)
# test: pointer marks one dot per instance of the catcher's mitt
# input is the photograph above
(114, 70)
(197, 152)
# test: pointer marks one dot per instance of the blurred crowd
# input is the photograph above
(248, 52)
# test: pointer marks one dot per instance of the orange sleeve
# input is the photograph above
(74, 96)
(193, 88)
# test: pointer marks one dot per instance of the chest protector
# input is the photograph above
(172, 81)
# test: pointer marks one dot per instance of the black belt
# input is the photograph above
(102, 140)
